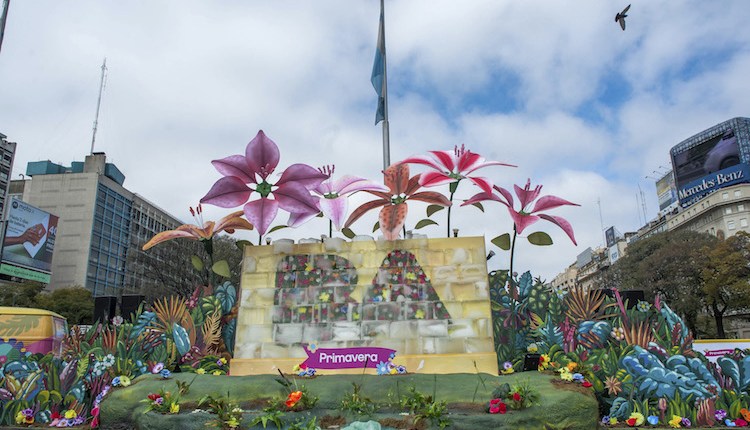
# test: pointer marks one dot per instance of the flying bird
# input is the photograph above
(620, 17)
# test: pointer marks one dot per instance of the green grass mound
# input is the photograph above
(559, 407)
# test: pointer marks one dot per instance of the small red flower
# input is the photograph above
(55, 416)
(516, 397)
(154, 396)
(630, 422)
(497, 406)
(586, 384)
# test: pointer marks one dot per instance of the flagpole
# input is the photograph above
(386, 131)
(3, 19)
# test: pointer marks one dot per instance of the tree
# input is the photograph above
(671, 265)
(74, 303)
(179, 266)
(725, 277)
(20, 295)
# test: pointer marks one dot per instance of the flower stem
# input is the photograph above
(511, 283)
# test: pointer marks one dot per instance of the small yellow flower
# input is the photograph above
(639, 418)
(566, 376)
(232, 423)
(302, 310)
(324, 296)
(124, 381)
(612, 421)
(308, 267)
(393, 371)
(174, 408)
(296, 368)
(419, 314)
(200, 371)
(223, 360)
(411, 276)
(675, 421)
(20, 417)
(70, 414)
(217, 373)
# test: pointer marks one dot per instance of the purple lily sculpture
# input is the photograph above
(526, 215)
(450, 167)
(250, 173)
(335, 194)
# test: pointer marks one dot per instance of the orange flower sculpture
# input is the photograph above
(293, 398)
(229, 224)
(394, 203)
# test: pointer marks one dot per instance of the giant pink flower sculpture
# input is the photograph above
(245, 174)
(524, 216)
(452, 166)
(335, 194)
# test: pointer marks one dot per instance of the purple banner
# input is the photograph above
(346, 358)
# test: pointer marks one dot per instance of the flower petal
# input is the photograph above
(261, 213)
(480, 197)
(296, 219)
(424, 160)
(349, 184)
(334, 210)
(306, 175)
(431, 197)
(483, 183)
(482, 163)
(227, 192)
(446, 158)
(172, 234)
(294, 197)
(522, 221)
(233, 221)
(235, 165)
(392, 218)
(562, 223)
(364, 208)
(550, 202)
(526, 195)
(433, 179)
(397, 178)
(262, 155)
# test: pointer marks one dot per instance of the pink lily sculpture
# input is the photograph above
(249, 173)
(229, 224)
(394, 203)
(335, 194)
(450, 167)
(526, 215)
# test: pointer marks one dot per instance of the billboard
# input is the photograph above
(29, 241)
(703, 168)
(666, 191)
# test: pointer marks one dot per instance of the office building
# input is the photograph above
(102, 225)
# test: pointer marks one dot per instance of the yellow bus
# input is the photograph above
(32, 330)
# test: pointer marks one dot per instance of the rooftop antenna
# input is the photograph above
(643, 203)
(601, 220)
(99, 102)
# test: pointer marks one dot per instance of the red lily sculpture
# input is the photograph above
(394, 203)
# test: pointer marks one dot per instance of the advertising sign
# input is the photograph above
(29, 241)
(695, 190)
(705, 160)
(666, 191)
(610, 236)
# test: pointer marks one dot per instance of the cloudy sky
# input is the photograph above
(557, 88)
